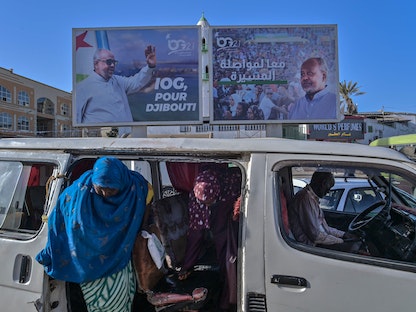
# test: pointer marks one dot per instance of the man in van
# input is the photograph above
(307, 220)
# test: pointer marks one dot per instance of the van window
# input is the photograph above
(9, 178)
(142, 167)
(368, 212)
(22, 196)
(358, 199)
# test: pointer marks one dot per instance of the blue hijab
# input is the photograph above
(91, 236)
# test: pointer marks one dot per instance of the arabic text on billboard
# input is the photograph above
(275, 74)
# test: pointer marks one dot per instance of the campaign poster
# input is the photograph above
(136, 76)
(275, 74)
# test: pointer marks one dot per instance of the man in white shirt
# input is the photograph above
(102, 97)
(318, 102)
(307, 220)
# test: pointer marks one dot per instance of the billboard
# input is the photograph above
(135, 76)
(348, 129)
(274, 74)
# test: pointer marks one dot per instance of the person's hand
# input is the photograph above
(150, 53)
(282, 109)
(349, 237)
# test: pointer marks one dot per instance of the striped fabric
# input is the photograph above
(113, 293)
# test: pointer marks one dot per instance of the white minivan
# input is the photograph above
(274, 272)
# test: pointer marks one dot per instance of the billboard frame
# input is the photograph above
(170, 81)
(227, 41)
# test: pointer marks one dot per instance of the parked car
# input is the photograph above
(351, 195)
(347, 195)
(409, 199)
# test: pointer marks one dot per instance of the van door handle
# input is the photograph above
(24, 269)
(286, 280)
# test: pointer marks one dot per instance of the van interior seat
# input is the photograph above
(35, 201)
(170, 215)
(171, 218)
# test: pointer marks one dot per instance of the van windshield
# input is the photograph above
(9, 177)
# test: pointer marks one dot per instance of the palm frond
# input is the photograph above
(348, 90)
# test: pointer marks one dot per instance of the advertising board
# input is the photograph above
(346, 130)
(136, 76)
(275, 74)
(153, 76)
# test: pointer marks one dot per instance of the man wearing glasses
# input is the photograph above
(102, 97)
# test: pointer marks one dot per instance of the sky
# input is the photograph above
(376, 39)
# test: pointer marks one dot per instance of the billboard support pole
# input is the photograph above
(274, 130)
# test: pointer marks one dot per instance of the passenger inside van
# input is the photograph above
(211, 205)
(307, 220)
(92, 231)
(210, 257)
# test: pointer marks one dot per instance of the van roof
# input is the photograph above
(200, 146)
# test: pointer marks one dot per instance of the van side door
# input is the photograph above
(27, 190)
(380, 276)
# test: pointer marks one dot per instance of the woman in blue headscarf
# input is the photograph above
(92, 231)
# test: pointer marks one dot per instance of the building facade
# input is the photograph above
(385, 124)
(32, 109)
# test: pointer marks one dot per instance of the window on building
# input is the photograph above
(6, 121)
(42, 128)
(45, 106)
(65, 131)
(23, 123)
(65, 109)
(23, 98)
(5, 95)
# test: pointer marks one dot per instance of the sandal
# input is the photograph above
(183, 275)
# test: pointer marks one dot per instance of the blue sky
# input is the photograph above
(376, 39)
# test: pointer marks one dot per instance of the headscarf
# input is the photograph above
(207, 188)
(215, 186)
(91, 236)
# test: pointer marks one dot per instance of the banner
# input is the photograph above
(347, 129)
(136, 76)
(274, 74)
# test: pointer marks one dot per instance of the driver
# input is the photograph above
(307, 220)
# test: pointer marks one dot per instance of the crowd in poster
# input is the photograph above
(128, 76)
(275, 74)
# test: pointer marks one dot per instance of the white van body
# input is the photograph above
(275, 273)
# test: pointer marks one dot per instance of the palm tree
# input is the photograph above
(346, 91)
